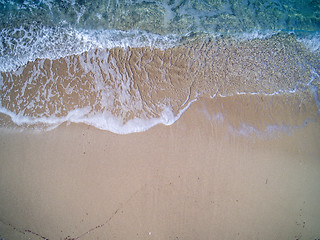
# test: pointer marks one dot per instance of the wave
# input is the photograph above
(21, 45)
(311, 40)
(18, 46)
(125, 66)
(130, 89)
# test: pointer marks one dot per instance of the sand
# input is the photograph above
(200, 178)
(142, 83)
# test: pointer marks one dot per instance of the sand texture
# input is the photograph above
(207, 176)
(139, 87)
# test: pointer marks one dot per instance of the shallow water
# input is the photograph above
(125, 66)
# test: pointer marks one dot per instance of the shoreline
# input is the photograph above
(109, 88)
(191, 180)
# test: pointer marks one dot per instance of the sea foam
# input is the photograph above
(21, 45)
(104, 121)
(311, 40)
(130, 81)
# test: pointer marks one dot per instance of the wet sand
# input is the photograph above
(200, 178)
(108, 87)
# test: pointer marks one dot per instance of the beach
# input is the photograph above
(191, 119)
(200, 178)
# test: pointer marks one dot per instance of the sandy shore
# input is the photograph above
(199, 178)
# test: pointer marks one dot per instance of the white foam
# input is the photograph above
(270, 130)
(311, 41)
(107, 121)
(103, 121)
(257, 34)
(27, 43)
(51, 121)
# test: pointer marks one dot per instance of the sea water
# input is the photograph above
(125, 66)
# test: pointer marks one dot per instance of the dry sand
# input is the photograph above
(199, 178)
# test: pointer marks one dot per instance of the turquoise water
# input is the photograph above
(165, 17)
(51, 29)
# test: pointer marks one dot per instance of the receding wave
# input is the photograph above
(131, 89)
(27, 43)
